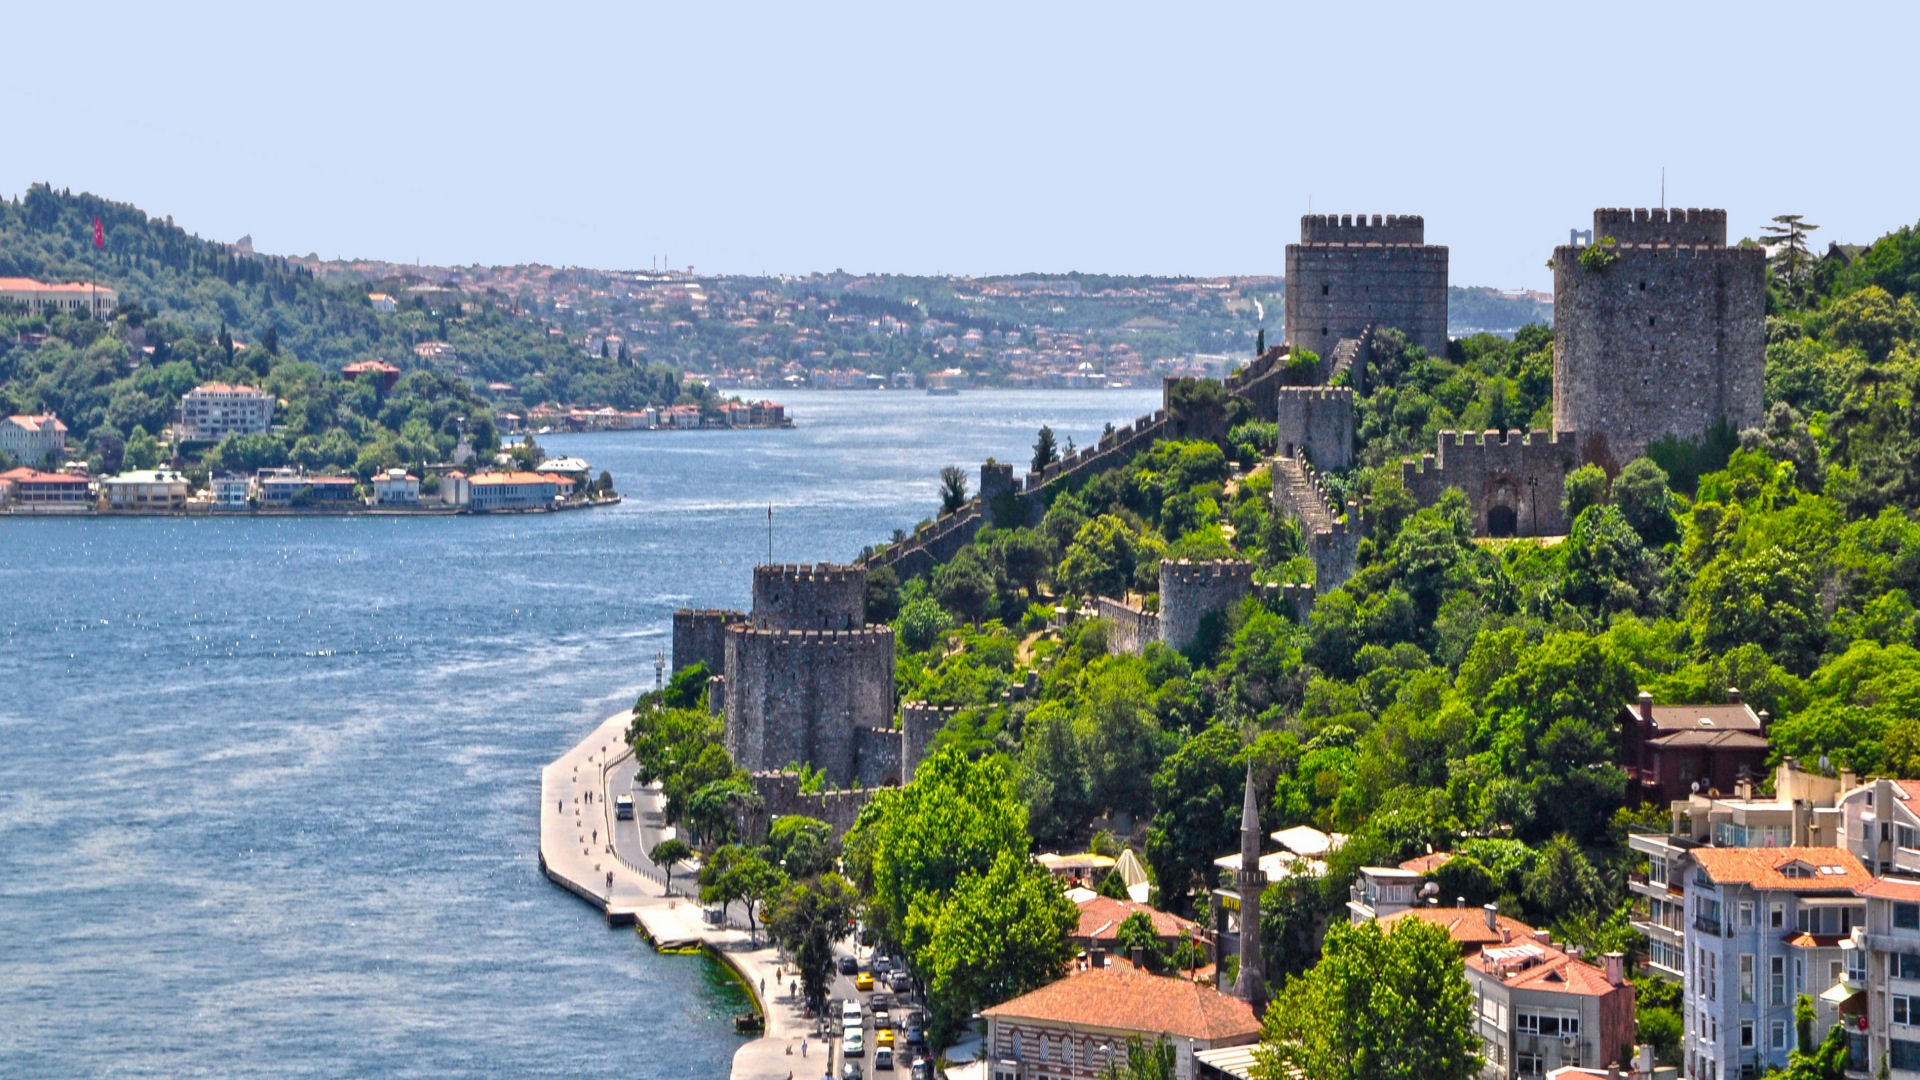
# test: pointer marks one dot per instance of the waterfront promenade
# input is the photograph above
(603, 861)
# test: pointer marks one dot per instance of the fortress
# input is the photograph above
(1349, 274)
(1659, 332)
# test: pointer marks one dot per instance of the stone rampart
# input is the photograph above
(1316, 422)
(876, 754)
(1191, 591)
(801, 696)
(1260, 380)
(1357, 229)
(1661, 226)
(919, 724)
(1289, 598)
(809, 597)
(700, 637)
(780, 796)
(1129, 629)
(1664, 339)
(1348, 274)
(1512, 480)
(1332, 542)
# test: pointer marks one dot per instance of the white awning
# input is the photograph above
(1837, 993)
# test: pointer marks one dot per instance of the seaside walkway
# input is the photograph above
(584, 850)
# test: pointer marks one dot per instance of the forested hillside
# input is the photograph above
(194, 311)
(1455, 695)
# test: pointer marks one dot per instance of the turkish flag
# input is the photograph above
(99, 234)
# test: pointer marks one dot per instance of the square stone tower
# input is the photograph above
(1658, 330)
(1348, 274)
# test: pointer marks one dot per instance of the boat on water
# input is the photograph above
(943, 391)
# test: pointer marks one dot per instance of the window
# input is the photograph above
(1746, 1033)
(1777, 916)
(1746, 914)
(1856, 966)
(1777, 981)
(1656, 869)
(1777, 1034)
(1906, 916)
(1746, 980)
(1906, 1009)
(1904, 965)
(1905, 1054)
(1546, 1024)
(1833, 972)
(1909, 837)
(1529, 1065)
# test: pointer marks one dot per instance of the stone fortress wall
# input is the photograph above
(1316, 422)
(700, 637)
(1333, 543)
(1191, 591)
(1512, 480)
(1349, 273)
(805, 675)
(1666, 339)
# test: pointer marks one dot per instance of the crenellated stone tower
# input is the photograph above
(1660, 333)
(1348, 275)
(1249, 881)
(808, 680)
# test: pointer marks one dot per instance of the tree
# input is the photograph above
(1198, 792)
(143, 450)
(1053, 775)
(1378, 1006)
(1002, 932)
(1136, 932)
(1144, 1061)
(1562, 881)
(803, 846)
(1045, 450)
(736, 872)
(668, 852)
(1645, 501)
(953, 488)
(1585, 486)
(921, 623)
(964, 584)
(807, 919)
(1788, 236)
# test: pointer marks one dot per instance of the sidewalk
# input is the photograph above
(584, 850)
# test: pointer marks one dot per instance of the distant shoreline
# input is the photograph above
(301, 512)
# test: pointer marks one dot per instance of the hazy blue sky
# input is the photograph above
(978, 138)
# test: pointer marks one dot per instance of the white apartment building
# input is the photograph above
(1883, 981)
(217, 410)
(231, 491)
(1763, 925)
(73, 297)
(31, 438)
(396, 487)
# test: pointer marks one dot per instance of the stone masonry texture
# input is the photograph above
(700, 637)
(1668, 339)
(1348, 274)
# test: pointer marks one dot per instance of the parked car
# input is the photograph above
(883, 1059)
(849, 966)
(853, 1044)
(922, 1069)
(916, 1030)
(882, 964)
(901, 982)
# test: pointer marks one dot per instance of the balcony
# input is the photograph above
(1707, 926)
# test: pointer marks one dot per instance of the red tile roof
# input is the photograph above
(1468, 926)
(1887, 888)
(1421, 864)
(1533, 966)
(1101, 916)
(1737, 716)
(511, 478)
(1121, 998)
(1828, 868)
(34, 421)
(25, 475)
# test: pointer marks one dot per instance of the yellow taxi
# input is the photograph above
(863, 982)
(883, 1037)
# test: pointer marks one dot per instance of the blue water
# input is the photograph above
(268, 788)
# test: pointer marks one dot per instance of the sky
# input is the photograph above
(968, 138)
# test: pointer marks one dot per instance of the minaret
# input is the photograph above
(1250, 882)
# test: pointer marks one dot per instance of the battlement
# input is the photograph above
(1491, 437)
(1357, 229)
(808, 572)
(870, 632)
(1661, 226)
(1190, 572)
(924, 711)
(809, 596)
(1317, 393)
(699, 637)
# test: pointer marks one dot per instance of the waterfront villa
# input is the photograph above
(73, 297)
(32, 438)
(512, 491)
(396, 487)
(1071, 1028)
(286, 487)
(33, 489)
(217, 410)
(231, 491)
(145, 489)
